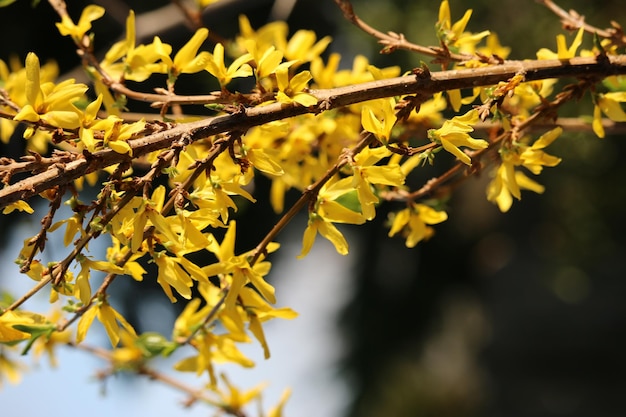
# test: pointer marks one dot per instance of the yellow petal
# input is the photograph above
(309, 237)
(262, 161)
(330, 232)
(257, 330)
(188, 52)
(85, 323)
(121, 147)
(370, 122)
(305, 99)
(20, 205)
(32, 86)
(547, 138)
(337, 213)
(597, 126)
(463, 157)
(527, 183)
(106, 316)
(429, 215)
(27, 114)
(400, 219)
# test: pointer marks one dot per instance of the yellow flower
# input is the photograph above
(413, 223)
(493, 47)
(268, 61)
(50, 103)
(234, 400)
(239, 67)
(333, 200)
(14, 82)
(239, 269)
(82, 289)
(258, 311)
(366, 174)
(20, 205)
(318, 225)
(609, 104)
(508, 182)
(133, 62)
(324, 75)
(454, 35)
(269, 35)
(303, 48)
(263, 162)
(187, 60)
(89, 14)
(9, 319)
(172, 274)
(454, 133)
(212, 348)
(563, 52)
(117, 133)
(379, 120)
(129, 356)
(292, 91)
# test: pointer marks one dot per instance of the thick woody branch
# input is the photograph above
(420, 83)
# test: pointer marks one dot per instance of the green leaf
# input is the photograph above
(350, 200)
(4, 3)
(154, 344)
(36, 331)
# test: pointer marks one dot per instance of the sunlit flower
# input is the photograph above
(563, 52)
(292, 90)
(126, 60)
(239, 67)
(187, 60)
(454, 133)
(239, 268)
(50, 103)
(380, 119)
(454, 35)
(89, 14)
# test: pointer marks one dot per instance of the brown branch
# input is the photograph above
(573, 20)
(194, 393)
(327, 99)
(393, 40)
(543, 112)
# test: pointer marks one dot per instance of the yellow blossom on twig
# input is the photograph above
(89, 14)
(292, 90)
(413, 222)
(508, 182)
(455, 133)
(239, 68)
(563, 52)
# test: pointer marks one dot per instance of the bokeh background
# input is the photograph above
(517, 314)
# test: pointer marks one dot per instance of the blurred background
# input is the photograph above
(516, 314)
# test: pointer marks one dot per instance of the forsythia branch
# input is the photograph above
(587, 67)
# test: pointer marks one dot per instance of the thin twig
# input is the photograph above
(573, 20)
